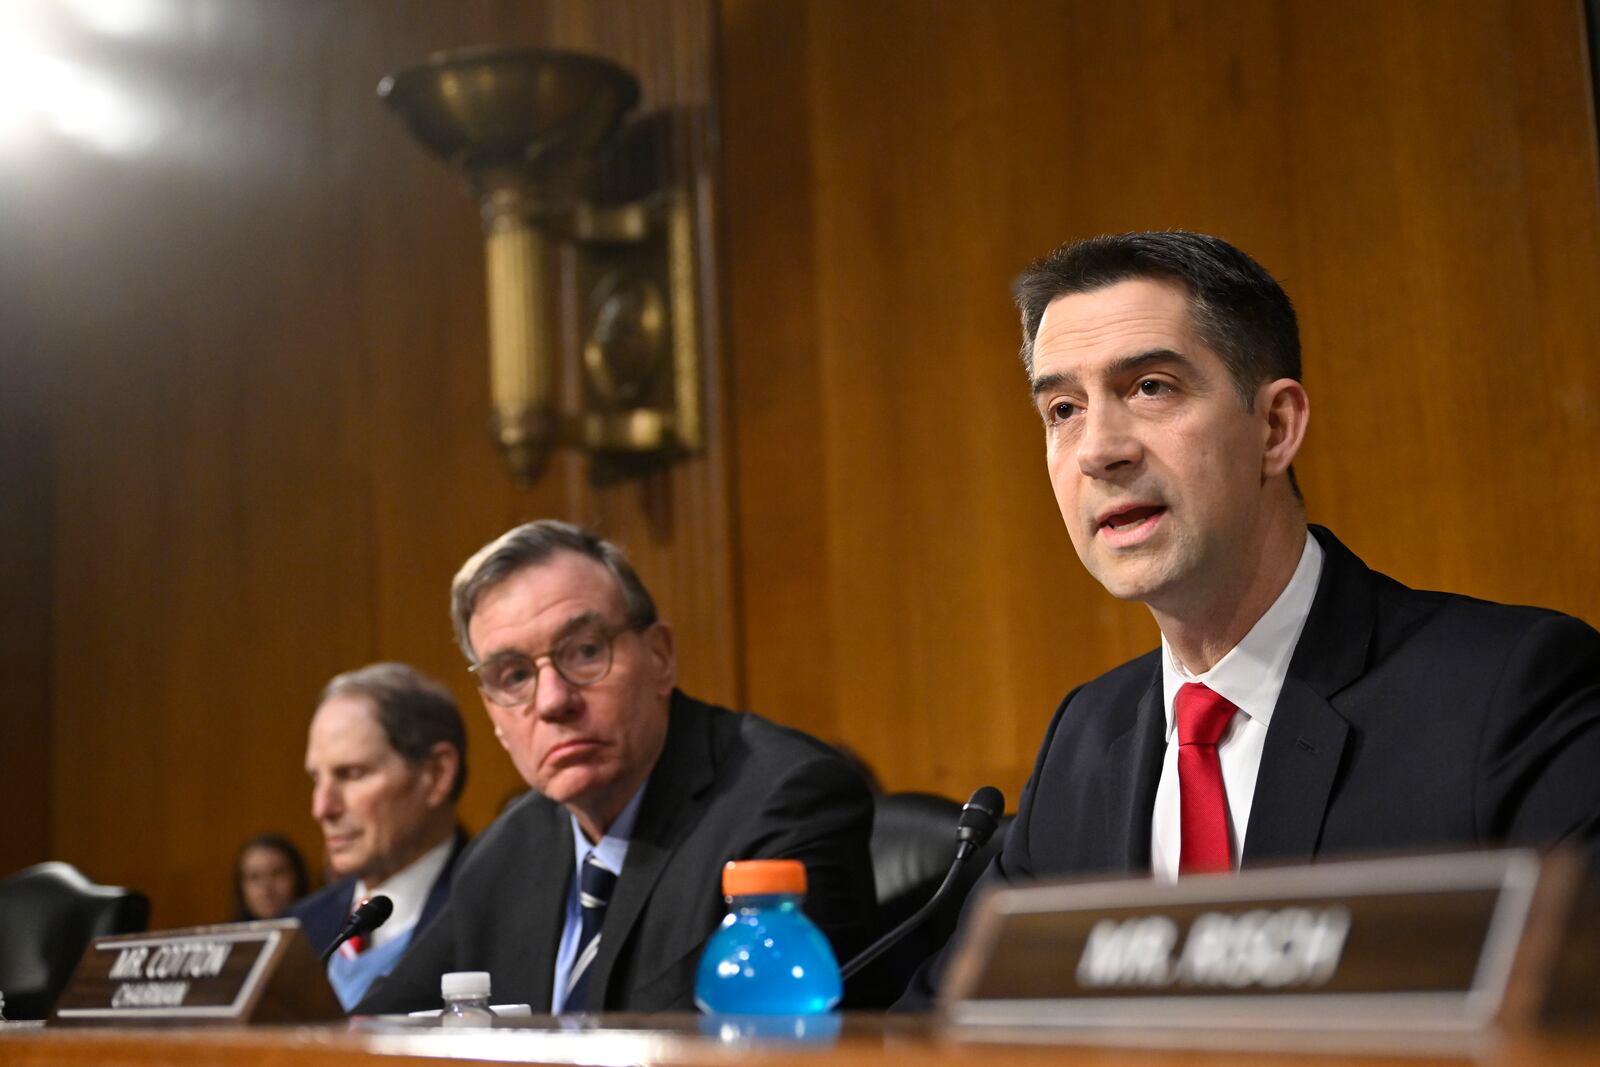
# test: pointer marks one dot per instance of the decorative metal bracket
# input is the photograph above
(523, 127)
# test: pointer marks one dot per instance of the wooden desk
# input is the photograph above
(679, 1042)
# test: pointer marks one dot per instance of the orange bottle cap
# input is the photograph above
(745, 878)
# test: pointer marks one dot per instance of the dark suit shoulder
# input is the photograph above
(1405, 611)
(1462, 634)
(1106, 706)
(1132, 676)
(1471, 723)
(505, 841)
(1468, 643)
(759, 742)
(335, 896)
(323, 913)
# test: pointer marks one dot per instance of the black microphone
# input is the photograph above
(980, 816)
(372, 913)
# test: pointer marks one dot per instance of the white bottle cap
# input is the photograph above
(464, 984)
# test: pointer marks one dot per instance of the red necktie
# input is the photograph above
(1203, 717)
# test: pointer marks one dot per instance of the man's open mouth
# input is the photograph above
(1130, 517)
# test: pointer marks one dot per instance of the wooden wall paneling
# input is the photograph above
(1420, 176)
(421, 301)
(1476, 336)
(267, 398)
(213, 526)
(940, 518)
(676, 522)
(768, 264)
(25, 557)
(672, 521)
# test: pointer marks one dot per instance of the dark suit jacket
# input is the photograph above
(322, 914)
(1409, 720)
(727, 786)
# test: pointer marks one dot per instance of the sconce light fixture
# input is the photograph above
(524, 128)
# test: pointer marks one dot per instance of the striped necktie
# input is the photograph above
(595, 884)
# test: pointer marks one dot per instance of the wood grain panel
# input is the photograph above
(865, 1042)
(25, 573)
(264, 336)
(771, 324)
(1420, 176)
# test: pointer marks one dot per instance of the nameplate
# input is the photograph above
(235, 973)
(1451, 942)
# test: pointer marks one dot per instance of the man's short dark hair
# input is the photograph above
(1238, 309)
(415, 712)
(529, 545)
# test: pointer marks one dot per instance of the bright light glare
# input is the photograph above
(86, 107)
(39, 89)
(18, 115)
(122, 18)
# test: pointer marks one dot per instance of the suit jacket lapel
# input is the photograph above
(682, 773)
(549, 849)
(1298, 764)
(1306, 740)
(1133, 767)
(439, 892)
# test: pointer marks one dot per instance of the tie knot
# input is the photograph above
(595, 884)
(1203, 715)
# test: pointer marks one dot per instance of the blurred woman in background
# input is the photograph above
(268, 876)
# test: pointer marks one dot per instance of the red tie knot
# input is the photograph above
(1203, 716)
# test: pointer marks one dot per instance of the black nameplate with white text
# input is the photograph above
(1450, 942)
(240, 972)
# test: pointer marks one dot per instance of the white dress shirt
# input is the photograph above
(408, 890)
(1250, 676)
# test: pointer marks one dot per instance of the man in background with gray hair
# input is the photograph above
(387, 757)
(598, 890)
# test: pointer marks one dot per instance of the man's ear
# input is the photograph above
(1287, 409)
(658, 643)
(441, 765)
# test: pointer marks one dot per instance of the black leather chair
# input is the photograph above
(913, 844)
(48, 914)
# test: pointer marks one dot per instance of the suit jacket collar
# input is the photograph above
(439, 893)
(1133, 769)
(684, 771)
(1335, 643)
(322, 914)
(1305, 742)
(543, 901)
(1307, 738)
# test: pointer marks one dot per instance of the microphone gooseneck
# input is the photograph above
(373, 913)
(980, 816)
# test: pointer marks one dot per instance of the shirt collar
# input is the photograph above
(1252, 673)
(407, 889)
(611, 849)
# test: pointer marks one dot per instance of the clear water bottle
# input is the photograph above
(767, 958)
(466, 999)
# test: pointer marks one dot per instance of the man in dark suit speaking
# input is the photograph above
(1301, 706)
(598, 890)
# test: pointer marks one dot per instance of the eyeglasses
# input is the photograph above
(582, 657)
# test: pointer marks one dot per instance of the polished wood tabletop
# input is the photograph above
(867, 1040)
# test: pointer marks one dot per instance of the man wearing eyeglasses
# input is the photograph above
(598, 890)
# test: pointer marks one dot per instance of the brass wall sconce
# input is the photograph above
(524, 128)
